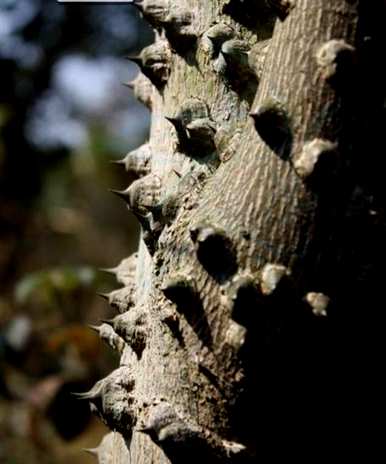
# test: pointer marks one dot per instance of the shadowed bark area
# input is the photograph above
(251, 278)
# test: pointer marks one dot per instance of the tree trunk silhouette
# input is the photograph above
(248, 315)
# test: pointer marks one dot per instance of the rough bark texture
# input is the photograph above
(261, 246)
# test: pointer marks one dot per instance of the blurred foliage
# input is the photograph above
(45, 285)
(63, 116)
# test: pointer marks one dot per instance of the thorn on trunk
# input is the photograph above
(215, 250)
(272, 276)
(336, 60)
(105, 296)
(317, 159)
(92, 451)
(123, 194)
(154, 61)
(272, 124)
(318, 302)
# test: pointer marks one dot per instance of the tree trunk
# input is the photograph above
(261, 242)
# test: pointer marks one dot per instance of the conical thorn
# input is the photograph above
(92, 451)
(105, 296)
(121, 194)
(109, 322)
(95, 328)
(89, 395)
(130, 85)
(135, 59)
(109, 270)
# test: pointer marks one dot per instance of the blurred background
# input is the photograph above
(64, 114)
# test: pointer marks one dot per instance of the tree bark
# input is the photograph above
(261, 246)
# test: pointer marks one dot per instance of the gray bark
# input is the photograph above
(239, 315)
